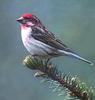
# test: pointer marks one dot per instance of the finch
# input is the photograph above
(40, 42)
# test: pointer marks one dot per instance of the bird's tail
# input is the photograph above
(74, 55)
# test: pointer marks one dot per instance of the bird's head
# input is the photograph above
(28, 19)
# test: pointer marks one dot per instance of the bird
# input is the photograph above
(40, 42)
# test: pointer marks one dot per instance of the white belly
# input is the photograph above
(35, 47)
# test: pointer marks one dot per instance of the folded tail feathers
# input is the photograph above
(80, 58)
(74, 55)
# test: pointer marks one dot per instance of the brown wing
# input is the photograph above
(47, 38)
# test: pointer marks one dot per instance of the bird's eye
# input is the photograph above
(32, 19)
(27, 18)
(23, 21)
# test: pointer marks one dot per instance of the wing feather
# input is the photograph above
(48, 38)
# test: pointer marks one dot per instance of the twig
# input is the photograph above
(74, 87)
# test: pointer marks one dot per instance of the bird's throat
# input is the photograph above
(24, 26)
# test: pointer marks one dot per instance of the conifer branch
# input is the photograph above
(75, 89)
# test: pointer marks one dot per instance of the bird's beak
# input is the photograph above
(20, 20)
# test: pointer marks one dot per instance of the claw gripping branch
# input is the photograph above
(76, 89)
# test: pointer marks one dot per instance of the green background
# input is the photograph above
(73, 21)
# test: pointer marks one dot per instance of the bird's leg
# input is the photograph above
(48, 61)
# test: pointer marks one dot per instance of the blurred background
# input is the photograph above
(73, 21)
